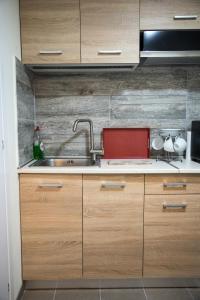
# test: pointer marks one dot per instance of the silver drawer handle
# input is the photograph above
(175, 185)
(113, 185)
(51, 185)
(51, 52)
(185, 17)
(110, 52)
(175, 206)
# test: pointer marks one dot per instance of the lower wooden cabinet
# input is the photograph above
(99, 226)
(172, 236)
(112, 226)
(51, 226)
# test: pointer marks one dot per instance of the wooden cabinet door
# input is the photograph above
(109, 31)
(169, 14)
(112, 226)
(172, 236)
(51, 226)
(50, 31)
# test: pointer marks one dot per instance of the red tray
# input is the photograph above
(126, 143)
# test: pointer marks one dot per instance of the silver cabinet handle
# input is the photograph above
(50, 185)
(175, 185)
(110, 52)
(113, 185)
(51, 52)
(175, 206)
(185, 17)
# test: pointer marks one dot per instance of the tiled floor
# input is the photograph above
(115, 294)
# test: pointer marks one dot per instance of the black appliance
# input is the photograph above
(170, 47)
(195, 141)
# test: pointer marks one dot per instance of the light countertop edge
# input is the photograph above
(157, 167)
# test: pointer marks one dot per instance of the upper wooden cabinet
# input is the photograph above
(109, 31)
(169, 14)
(50, 31)
(51, 226)
(112, 226)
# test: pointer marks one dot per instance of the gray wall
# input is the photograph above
(25, 111)
(155, 97)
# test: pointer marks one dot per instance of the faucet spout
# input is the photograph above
(93, 152)
(91, 130)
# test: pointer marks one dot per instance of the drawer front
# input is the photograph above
(169, 14)
(112, 226)
(172, 236)
(172, 184)
(51, 226)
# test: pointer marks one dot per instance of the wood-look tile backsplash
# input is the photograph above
(155, 97)
(25, 113)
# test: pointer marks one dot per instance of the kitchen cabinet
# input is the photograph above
(169, 14)
(112, 226)
(51, 226)
(109, 31)
(172, 227)
(50, 31)
(97, 32)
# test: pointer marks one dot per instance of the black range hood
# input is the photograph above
(170, 47)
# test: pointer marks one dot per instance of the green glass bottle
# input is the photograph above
(38, 146)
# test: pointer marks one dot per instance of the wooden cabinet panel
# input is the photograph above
(50, 26)
(51, 226)
(155, 15)
(112, 226)
(109, 31)
(172, 184)
(172, 236)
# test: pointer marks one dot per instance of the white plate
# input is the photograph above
(157, 143)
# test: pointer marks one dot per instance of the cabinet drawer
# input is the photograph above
(169, 14)
(172, 184)
(172, 235)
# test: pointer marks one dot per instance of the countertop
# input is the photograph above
(134, 166)
(189, 167)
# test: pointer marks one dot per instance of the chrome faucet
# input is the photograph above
(93, 152)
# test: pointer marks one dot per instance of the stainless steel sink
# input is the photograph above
(63, 162)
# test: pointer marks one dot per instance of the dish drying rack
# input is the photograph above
(170, 156)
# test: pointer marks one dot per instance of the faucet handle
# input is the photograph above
(97, 151)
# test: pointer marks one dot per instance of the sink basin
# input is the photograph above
(63, 162)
